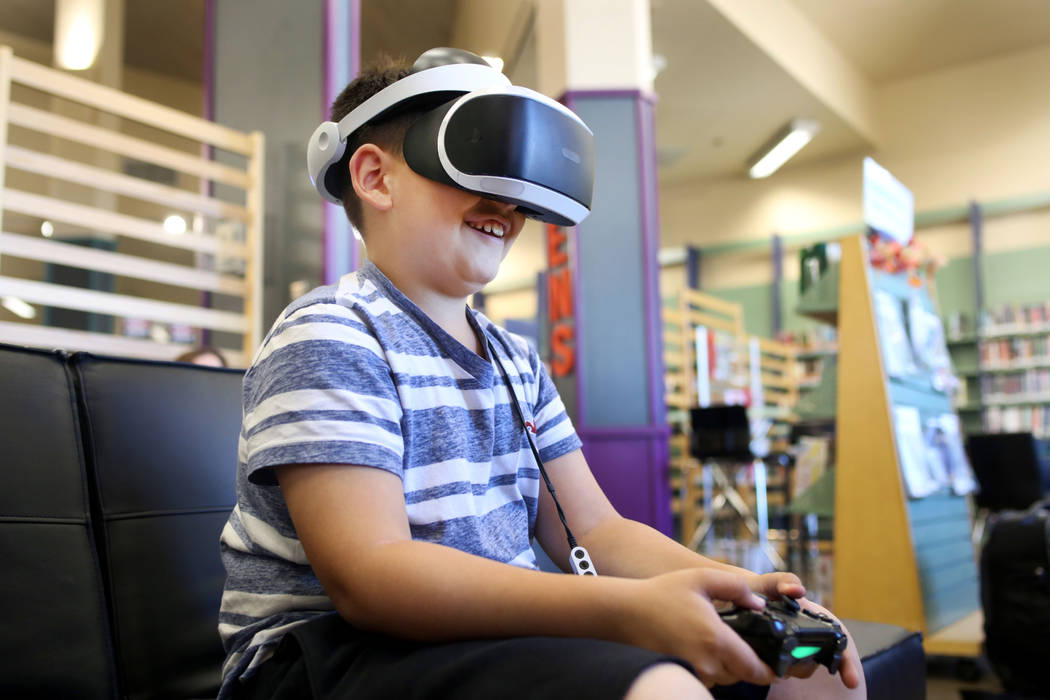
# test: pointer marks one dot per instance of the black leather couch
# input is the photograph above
(117, 477)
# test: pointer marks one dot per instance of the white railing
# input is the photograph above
(159, 277)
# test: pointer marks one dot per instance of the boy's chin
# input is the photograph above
(478, 277)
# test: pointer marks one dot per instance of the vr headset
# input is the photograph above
(478, 133)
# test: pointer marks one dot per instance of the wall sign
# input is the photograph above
(560, 303)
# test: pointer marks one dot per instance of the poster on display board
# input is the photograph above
(889, 206)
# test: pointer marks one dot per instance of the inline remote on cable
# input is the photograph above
(581, 562)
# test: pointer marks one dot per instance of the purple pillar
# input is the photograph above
(617, 397)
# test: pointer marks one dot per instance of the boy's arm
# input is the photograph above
(618, 546)
(352, 524)
(622, 547)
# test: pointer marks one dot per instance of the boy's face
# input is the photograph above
(455, 240)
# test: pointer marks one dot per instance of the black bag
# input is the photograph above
(1015, 595)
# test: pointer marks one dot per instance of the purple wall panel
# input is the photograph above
(631, 465)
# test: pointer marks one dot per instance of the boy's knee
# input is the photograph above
(820, 685)
(667, 680)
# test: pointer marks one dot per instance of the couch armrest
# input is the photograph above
(893, 658)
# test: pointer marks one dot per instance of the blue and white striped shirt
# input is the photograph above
(358, 374)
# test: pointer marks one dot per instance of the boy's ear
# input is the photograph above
(369, 167)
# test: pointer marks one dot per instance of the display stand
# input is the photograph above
(898, 560)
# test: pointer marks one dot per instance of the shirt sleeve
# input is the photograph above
(555, 434)
(321, 392)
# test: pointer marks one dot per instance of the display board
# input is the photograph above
(903, 549)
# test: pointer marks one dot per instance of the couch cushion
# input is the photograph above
(161, 444)
(893, 658)
(54, 640)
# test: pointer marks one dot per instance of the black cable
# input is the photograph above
(532, 444)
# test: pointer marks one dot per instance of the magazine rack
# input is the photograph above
(899, 560)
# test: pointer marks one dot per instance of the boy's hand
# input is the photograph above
(779, 584)
(776, 585)
(673, 614)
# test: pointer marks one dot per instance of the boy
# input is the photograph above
(387, 494)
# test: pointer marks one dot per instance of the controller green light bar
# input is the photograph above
(803, 652)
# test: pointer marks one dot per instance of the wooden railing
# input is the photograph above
(62, 163)
(765, 368)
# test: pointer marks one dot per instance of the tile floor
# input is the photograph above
(943, 681)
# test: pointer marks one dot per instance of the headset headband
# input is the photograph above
(328, 142)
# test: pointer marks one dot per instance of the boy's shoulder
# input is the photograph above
(329, 312)
(355, 296)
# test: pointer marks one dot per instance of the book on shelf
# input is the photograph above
(1019, 315)
(1026, 385)
(1018, 419)
(1018, 351)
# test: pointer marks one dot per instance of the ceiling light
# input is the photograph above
(495, 61)
(175, 224)
(78, 32)
(47, 229)
(18, 307)
(781, 147)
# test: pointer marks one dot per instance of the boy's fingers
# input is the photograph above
(722, 585)
(791, 589)
(742, 663)
(850, 672)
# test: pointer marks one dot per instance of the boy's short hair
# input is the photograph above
(388, 133)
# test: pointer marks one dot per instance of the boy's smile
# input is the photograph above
(459, 239)
(489, 226)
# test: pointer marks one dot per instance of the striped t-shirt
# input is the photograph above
(356, 373)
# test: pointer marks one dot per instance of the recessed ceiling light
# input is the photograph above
(47, 229)
(175, 224)
(78, 32)
(787, 142)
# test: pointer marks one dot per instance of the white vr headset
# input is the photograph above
(481, 134)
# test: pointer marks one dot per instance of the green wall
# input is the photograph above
(1016, 276)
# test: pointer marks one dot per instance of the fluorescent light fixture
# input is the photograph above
(18, 307)
(175, 224)
(47, 229)
(781, 147)
(495, 61)
(78, 32)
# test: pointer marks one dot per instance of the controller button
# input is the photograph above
(584, 565)
(579, 554)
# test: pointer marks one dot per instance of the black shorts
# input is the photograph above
(327, 659)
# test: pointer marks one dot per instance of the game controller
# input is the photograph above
(783, 635)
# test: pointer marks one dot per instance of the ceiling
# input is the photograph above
(892, 39)
(721, 97)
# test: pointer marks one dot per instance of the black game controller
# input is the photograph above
(782, 634)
